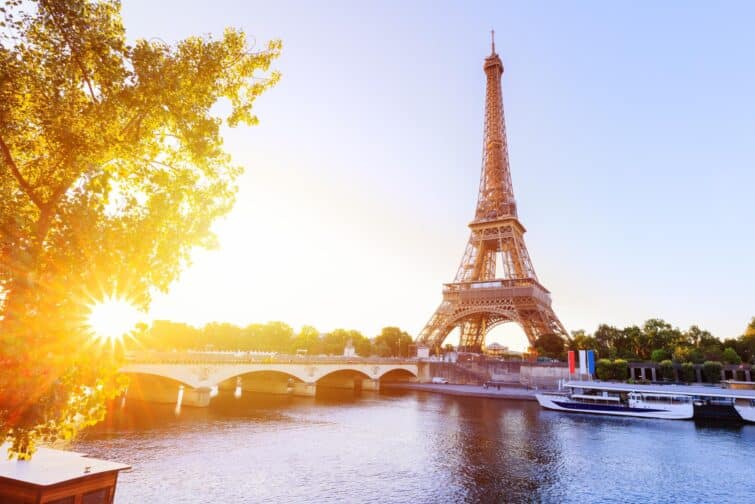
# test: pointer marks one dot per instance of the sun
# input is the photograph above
(112, 318)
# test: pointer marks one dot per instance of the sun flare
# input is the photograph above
(112, 318)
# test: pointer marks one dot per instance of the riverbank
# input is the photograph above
(515, 393)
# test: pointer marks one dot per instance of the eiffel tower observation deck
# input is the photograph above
(478, 299)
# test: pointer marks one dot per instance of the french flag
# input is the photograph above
(572, 367)
(582, 362)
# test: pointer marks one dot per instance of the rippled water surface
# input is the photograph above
(415, 447)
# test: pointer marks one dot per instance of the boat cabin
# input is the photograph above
(58, 477)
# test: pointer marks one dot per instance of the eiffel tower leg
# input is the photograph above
(436, 330)
(542, 321)
(473, 334)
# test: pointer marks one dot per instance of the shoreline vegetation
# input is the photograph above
(656, 340)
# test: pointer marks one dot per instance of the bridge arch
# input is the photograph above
(347, 378)
(351, 371)
(221, 377)
(398, 374)
(270, 381)
(163, 388)
(168, 376)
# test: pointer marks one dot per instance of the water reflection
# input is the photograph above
(400, 446)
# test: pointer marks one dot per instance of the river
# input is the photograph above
(414, 447)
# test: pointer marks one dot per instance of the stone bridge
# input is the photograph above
(195, 378)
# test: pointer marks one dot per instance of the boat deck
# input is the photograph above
(671, 389)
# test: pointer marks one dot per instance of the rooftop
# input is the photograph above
(49, 467)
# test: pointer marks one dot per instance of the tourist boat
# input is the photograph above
(746, 409)
(672, 402)
(744, 406)
(613, 399)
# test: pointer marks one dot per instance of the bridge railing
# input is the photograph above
(189, 357)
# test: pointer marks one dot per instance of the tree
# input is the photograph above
(606, 337)
(747, 347)
(363, 347)
(222, 336)
(700, 338)
(269, 337)
(681, 354)
(111, 170)
(396, 340)
(696, 356)
(335, 341)
(730, 356)
(580, 340)
(382, 349)
(550, 345)
(307, 339)
(658, 355)
(167, 335)
(639, 343)
(661, 335)
(750, 331)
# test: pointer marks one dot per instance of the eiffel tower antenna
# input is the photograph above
(477, 299)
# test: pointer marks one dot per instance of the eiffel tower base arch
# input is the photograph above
(477, 321)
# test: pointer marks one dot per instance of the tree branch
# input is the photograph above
(74, 57)
(25, 186)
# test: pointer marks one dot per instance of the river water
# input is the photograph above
(414, 447)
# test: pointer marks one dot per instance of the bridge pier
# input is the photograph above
(304, 389)
(368, 384)
(266, 387)
(197, 397)
(340, 381)
(161, 391)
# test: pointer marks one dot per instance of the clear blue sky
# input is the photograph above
(630, 126)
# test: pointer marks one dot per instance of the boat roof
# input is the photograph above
(671, 389)
(48, 467)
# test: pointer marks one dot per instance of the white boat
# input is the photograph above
(743, 398)
(746, 409)
(673, 402)
(599, 401)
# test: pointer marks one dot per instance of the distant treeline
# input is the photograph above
(656, 340)
(270, 337)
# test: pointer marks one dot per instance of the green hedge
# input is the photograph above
(620, 369)
(667, 370)
(687, 372)
(712, 371)
(604, 369)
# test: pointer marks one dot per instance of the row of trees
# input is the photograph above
(270, 337)
(656, 340)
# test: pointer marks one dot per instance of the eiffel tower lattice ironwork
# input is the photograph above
(477, 301)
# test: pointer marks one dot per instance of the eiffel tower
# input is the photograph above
(477, 301)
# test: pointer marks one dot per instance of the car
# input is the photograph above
(439, 379)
